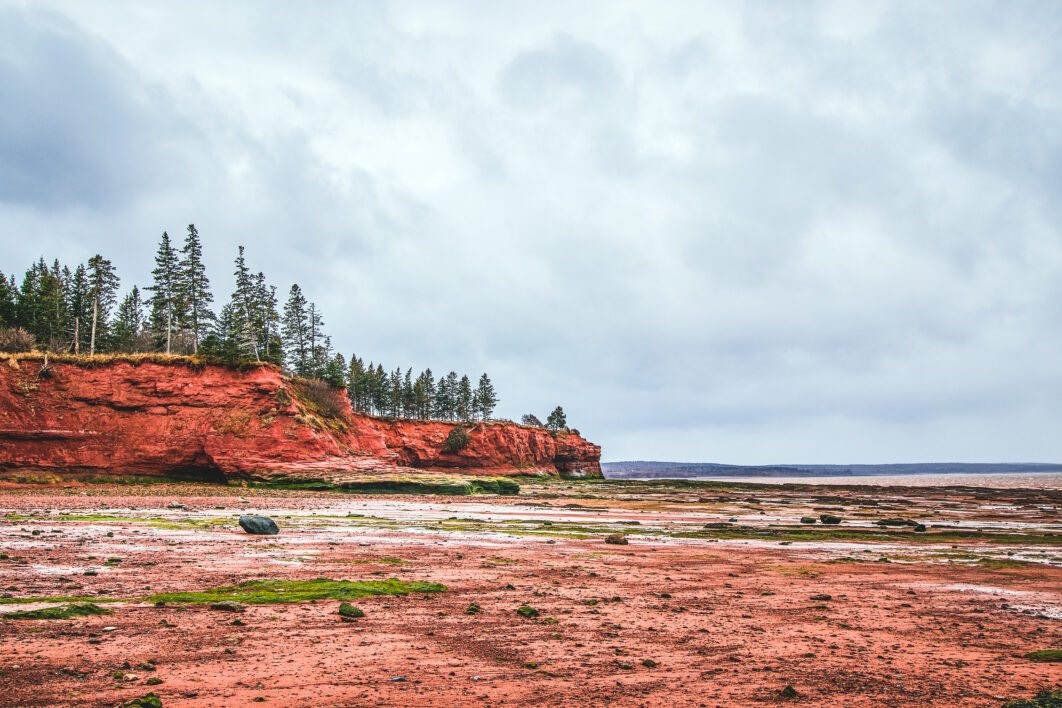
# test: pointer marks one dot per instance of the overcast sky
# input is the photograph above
(746, 232)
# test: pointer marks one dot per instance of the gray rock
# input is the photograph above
(227, 606)
(259, 525)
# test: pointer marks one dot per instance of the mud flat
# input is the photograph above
(721, 596)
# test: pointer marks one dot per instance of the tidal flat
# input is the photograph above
(723, 594)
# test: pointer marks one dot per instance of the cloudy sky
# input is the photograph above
(747, 232)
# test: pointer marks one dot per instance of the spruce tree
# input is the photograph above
(195, 288)
(464, 400)
(129, 322)
(165, 290)
(334, 371)
(408, 399)
(356, 383)
(243, 305)
(395, 389)
(29, 299)
(425, 394)
(52, 293)
(484, 399)
(8, 301)
(381, 391)
(294, 328)
(103, 287)
(79, 308)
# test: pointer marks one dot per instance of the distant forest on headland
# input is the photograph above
(82, 311)
(679, 470)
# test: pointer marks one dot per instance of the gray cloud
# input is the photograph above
(756, 233)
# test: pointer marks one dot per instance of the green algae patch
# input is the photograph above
(348, 610)
(78, 609)
(446, 487)
(1051, 655)
(264, 592)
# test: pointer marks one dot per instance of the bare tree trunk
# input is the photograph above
(92, 338)
(77, 334)
(169, 326)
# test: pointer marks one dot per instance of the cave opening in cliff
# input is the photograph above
(198, 473)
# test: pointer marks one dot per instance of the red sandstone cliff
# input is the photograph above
(177, 418)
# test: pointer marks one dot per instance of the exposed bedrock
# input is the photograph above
(201, 421)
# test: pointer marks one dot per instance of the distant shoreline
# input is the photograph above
(693, 470)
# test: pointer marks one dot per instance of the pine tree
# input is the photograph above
(464, 400)
(129, 322)
(165, 290)
(294, 327)
(103, 287)
(484, 399)
(195, 288)
(557, 420)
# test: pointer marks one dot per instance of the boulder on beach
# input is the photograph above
(262, 525)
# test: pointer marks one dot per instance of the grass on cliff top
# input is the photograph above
(94, 360)
(257, 592)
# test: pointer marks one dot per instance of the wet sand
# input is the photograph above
(683, 615)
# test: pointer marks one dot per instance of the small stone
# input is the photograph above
(153, 681)
(617, 539)
(526, 611)
(398, 679)
(649, 664)
(227, 606)
(259, 525)
(822, 597)
(473, 609)
(789, 692)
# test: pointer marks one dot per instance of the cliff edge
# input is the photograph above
(176, 417)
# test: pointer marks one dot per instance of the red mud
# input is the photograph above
(216, 423)
(728, 622)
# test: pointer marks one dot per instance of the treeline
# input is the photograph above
(59, 309)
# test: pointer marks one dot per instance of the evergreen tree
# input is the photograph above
(79, 309)
(531, 419)
(165, 301)
(129, 322)
(409, 402)
(334, 370)
(424, 393)
(243, 305)
(464, 400)
(446, 397)
(381, 390)
(356, 383)
(52, 302)
(484, 399)
(222, 340)
(295, 329)
(195, 288)
(273, 344)
(8, 301)
(395, 389)
(315, 321)
(102, 290)
(557, 420)
(29, 307)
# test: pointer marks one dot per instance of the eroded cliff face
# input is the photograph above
(211, 422)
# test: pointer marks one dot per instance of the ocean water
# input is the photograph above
(1033, 480)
